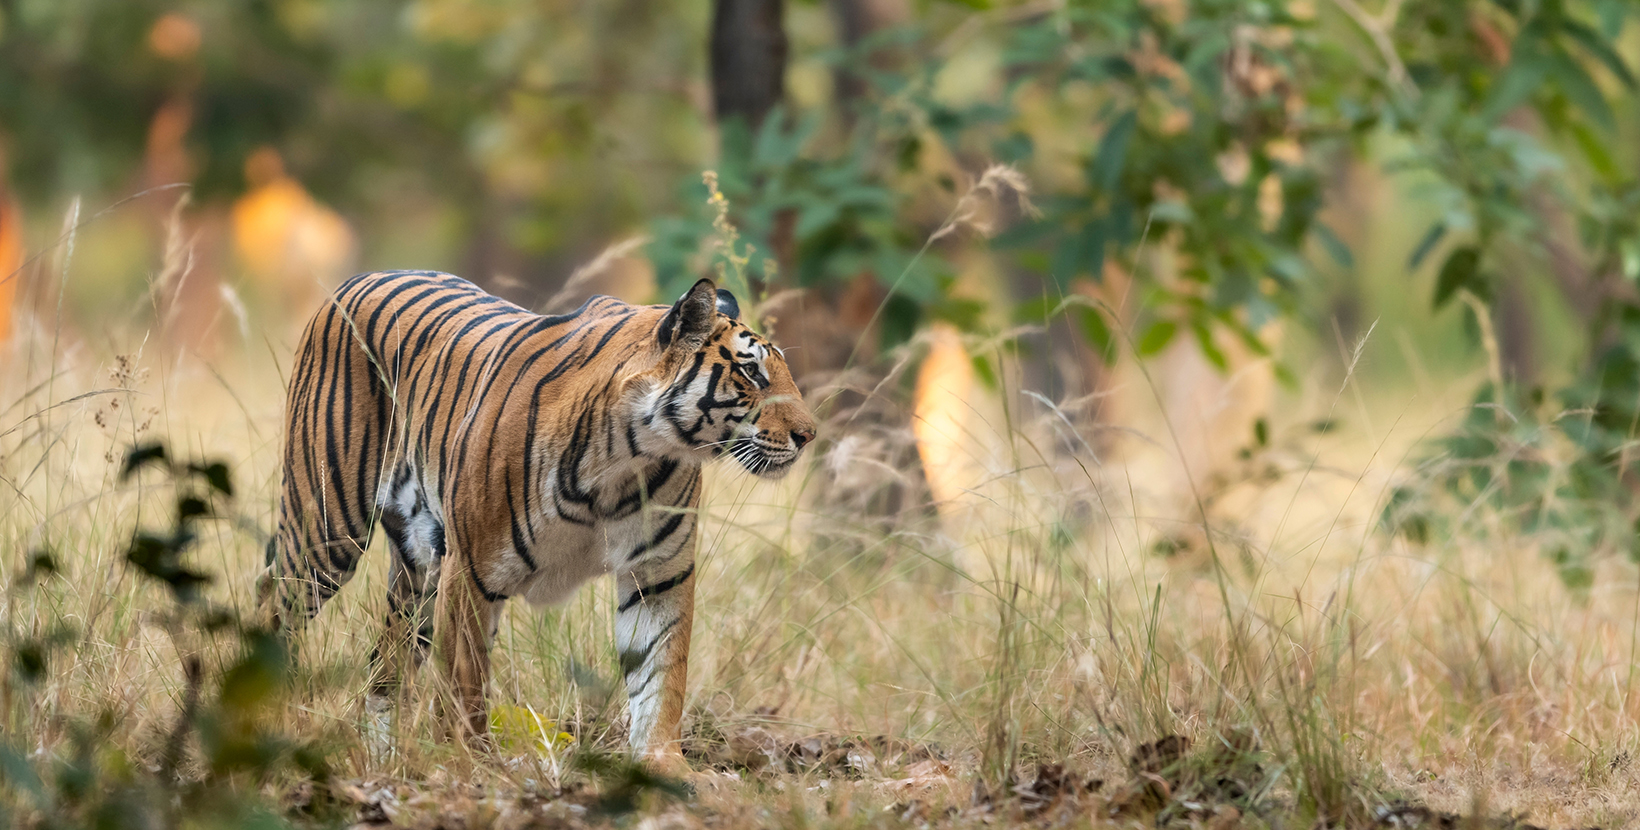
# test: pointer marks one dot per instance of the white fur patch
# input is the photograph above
(421, 525)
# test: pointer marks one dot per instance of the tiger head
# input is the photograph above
(721, 389)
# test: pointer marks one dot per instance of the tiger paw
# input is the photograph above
(667, 763)
(378, 726)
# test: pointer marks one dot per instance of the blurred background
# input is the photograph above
(1235, 191)
(1182, 365)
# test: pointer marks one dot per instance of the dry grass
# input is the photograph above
(865, 658)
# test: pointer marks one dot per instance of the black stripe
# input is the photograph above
(489, 595)
(632, 660)
(655, 590)
(634, 500)
(520, 546)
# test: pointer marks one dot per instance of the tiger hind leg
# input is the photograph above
(299, 578)
(406, 636)
(407, 632)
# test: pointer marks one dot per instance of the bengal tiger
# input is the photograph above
(507, 453)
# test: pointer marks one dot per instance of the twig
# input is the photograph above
(1489, 342)
(185, 719)
(1377, 30)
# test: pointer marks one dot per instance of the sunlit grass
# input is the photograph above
(1071, 598)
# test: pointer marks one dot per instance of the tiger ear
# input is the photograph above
(690, 321)
(727, 305)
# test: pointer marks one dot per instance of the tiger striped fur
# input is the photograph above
(506, 454)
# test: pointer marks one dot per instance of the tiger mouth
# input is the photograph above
(762, 460)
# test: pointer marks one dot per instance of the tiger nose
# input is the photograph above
(802, 436)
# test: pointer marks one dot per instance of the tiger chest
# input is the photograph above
(566, 556)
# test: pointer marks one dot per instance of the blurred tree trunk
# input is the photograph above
(187, 290)
(857, 20)
(748, 59)
(748, 55)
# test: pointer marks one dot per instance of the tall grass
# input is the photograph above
(1035, 618)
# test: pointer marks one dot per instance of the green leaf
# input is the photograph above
(1600, 48)
(1574, 571)
(815, 218)
(1106, 167)
(1580, 89)
(1210, 350)
(1097, 333)
(141, 456)
(1286, 377)
(1403, 514)
(906, 153)
(779, 141)
(982, 370)
(190, 507)
(1249, 337)
(1093, 249)
(157, 557)
(18, 772)
(1157, 337)
(1460, 271)
(257, 675)
(1036, 310)
(1432, 237)
(899, 320)
(30, 658)
(1336, 248)
(216, 475)
(1611, 14)
(1177, 213)
(1595, 152)
(1067, 261)
(1022, 233)
(1522, 77)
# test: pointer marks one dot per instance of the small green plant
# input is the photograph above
(221, 738)
(624, 783)
(734, 259)
(1556, 470)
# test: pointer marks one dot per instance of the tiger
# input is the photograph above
(507, 453)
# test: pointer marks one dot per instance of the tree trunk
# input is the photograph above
(857, 20)
(748, 59)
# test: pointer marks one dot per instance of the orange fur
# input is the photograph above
(505, 454)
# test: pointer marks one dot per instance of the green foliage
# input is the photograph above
(496, 118)
(1557, 472)
(623, 783)
(1191, 144)
(1460, 272)
(1496, 173)
(96, 782)
(838, 216)
(1201, 140)
(1554, 466)
(1206, 134)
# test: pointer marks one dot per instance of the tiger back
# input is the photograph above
(506, 453)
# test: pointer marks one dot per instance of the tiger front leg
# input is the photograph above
(652, 627)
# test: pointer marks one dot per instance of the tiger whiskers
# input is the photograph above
(749, 455)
